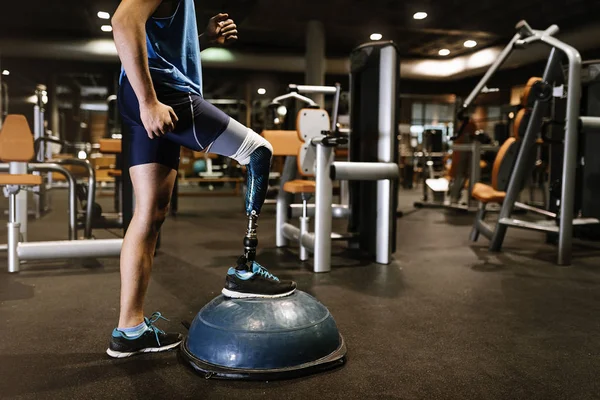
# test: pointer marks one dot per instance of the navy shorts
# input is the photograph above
(200, 123)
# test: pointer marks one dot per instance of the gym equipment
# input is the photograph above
(374, 120)
(17, 148)
(552, 82)
(199, 166)
(312, 147)
(3, 100)
(92, 217)
(466, 166)
(587, 196)
(263, 338)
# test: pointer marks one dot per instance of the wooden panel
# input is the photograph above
(110, 146)
(104, 161)
(98, 122)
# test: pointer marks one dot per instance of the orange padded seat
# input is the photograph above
(300, 186)
(20, 179)
(487, 194)
(285, 143)
(115, 173)
(16, 140)
(490, 194)
(525, 100)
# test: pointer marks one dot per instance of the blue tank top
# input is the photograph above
(174, 50)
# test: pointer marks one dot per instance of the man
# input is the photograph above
(160, 100)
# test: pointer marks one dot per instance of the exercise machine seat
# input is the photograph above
(491, 194)
(487, 194)
(299, 186)
(285, 143)
(20, 179)
(16, 145)
(16, 140)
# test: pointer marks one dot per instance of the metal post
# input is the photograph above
(304, 228)
(21, 200)
(53, 167)
(315, 57)
(284, 199)
(523, 158)
(493, 68)
(479, 217)
(39, 156)
(475, 168)
(338, 211)
(323, 217)
(91, 193)
(565, 233)
(13, 235)
(363, 171)
(70, 249)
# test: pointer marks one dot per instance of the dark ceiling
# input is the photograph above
(279, 26)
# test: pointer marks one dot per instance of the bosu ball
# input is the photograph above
(263, 339)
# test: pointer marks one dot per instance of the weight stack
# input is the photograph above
(374, 118)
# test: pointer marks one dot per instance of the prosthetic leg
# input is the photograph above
(258, 182)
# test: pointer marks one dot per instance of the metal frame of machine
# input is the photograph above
(573, 123)
(318, 149)
(24, 251)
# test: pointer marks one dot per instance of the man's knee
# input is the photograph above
(152, 216)
(254, 148)
(160, 214)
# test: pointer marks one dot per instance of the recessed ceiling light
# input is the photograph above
(444, 52)
(103, 15)
(6, 72)
(420, 15)
(376, 36)
(106, 28)
(470, 43)
(261, 91)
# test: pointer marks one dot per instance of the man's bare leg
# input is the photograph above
(152, 185)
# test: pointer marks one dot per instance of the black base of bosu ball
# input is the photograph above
(263, 339)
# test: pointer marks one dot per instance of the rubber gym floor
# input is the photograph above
(446, 320)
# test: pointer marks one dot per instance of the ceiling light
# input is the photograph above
(106, 28)
(444, 52)
(470, 43)
(376, 36)
(6, 72)
(420, 15)
(262, 91)
(103, 15)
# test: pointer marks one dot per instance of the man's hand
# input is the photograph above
(158, 119)
(221, 30)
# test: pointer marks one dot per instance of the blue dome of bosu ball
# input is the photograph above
(263, 338)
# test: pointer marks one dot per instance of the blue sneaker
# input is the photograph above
(255, 281)
(153, 340)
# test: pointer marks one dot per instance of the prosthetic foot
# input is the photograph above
(249, 279)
